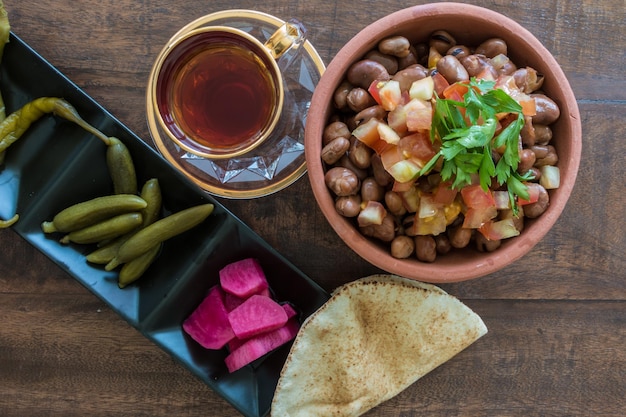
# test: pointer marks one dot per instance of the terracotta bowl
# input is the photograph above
(470, 25)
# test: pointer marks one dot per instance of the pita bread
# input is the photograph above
(372, 339)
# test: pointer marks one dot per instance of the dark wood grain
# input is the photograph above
(556, 318)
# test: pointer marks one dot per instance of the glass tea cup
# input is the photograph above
(218, 91)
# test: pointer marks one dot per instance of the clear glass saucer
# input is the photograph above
(279, 161)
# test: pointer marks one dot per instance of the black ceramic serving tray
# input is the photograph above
(56, 164)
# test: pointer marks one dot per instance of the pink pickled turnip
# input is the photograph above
(235, 342)
(209, 324)
(289, 310)
(258, 314)
(243, 278)
(231, 302)
(258, 346)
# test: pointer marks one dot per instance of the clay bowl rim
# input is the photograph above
(468, 263)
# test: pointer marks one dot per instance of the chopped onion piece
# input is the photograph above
(550, 177)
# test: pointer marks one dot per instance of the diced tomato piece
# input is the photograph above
(452, 211)
(411, 199)
(502, 200)
(501, 229)
(428, 207)
(476, 217)
(390, 95)
(440, 83)
(445, 194)
(391, 156)
(431, 225)
(397, 119)
(418, 147)
(419, 115)
(455, 91)
(422, 89)
(533, 196)
(387, 134)
(405, 170)
(400, 187)
(528, 107)
(475, 197)
(374, 90)
(368, 134)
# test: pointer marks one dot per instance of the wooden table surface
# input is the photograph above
(557, 317)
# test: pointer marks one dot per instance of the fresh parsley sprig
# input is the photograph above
(467, 130)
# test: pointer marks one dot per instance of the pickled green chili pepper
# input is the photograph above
(121, 167)
(14, 126)
(8, 223)
(5, 31)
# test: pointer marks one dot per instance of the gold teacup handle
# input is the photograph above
(284, 44)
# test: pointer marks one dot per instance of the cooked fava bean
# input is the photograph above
(394, 203)
(536, 209)
(360, 154)
(527, 160)
(410, 59)
(371, 190)
(452, 69)
(342, 181)
(549, 157)
(442, 41)
(335, 130)
(385, 231)
(478, 65)
(395, 45)
(348, 206)
(459, 51)
(541, 151)
(459, 236)
(422, 50)
(390, 62)
(442, 243)
(547, 110)
(408, 75)
(492, 47)
(425, 248)
(528, 132)
(402, 247)
(543, 134)
(383, 178)
(373, 112)
(485, 245)
(345, 162)
(363, 73)
(332, 152)
(359, 99)
(340, 97)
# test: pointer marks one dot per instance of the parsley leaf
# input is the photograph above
(466, 130)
